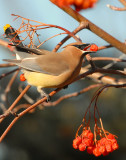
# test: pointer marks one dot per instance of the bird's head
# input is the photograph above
(82, 48)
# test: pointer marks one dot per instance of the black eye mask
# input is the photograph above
(83, 46)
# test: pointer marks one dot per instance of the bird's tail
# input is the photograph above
(11, 34)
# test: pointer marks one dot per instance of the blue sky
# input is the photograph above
(43, 10)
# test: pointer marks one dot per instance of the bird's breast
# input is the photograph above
(54, 81)
(50, 81)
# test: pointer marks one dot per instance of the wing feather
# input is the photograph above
(52, 64)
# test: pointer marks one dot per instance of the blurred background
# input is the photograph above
(48, 133)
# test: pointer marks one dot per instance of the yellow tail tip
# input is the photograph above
(6, 26)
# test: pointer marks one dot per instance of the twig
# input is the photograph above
(10, 72)
(49, 39)
(44, 24)
(7, 65)
(7, 90)
(108, 59)
(104, 47)
(100, 70)
(70, 95)
(25, 111)
(26, 97)
(21, 106)
(79, 28)
(3, 43)
(116, 8)
(14, 103)
(123, 2)
(113, 62)
(99, 77)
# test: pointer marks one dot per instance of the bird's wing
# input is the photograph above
(31, 50)
(52, 64)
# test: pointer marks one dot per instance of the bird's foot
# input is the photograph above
(48, 97)
(43, 94)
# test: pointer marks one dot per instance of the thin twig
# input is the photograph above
(44, 24)
(116, 8)
(14, 103)
(8, 73)
(123, 2)
(25, 111)
(79, 28)
(108, 59)
(7, 65)
(70, 95)
(104, 47)
(7, 90)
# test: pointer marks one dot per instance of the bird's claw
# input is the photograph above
(48, 97)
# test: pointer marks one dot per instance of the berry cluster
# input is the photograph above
(105, 145)
(79, 4)
(102, 147)
(84, 141)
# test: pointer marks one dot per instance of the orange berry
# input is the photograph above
(86, 4)
(82, 147)
(96, 152)
(115, 146)
(70, 2)
(75, 146)
(87, 142)
(60, 3)
(102, 141)
(78, 8)
(76, 142)
(90, 135)
(22, 78)
(110, 136)
(105, 153)
(102, 149)
(85, 133)
(78, 2)
(93, 1)
(94, 47)
(90, 149)
(108, 146)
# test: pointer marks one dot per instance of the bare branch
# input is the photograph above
(8, 73)
(95, 29)
(70, 95)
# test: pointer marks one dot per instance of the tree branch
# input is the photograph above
(95, 29)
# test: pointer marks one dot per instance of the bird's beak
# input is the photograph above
(85, 47)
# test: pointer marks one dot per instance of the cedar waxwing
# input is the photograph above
(50, 69)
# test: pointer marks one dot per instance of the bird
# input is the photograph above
(47, 69)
